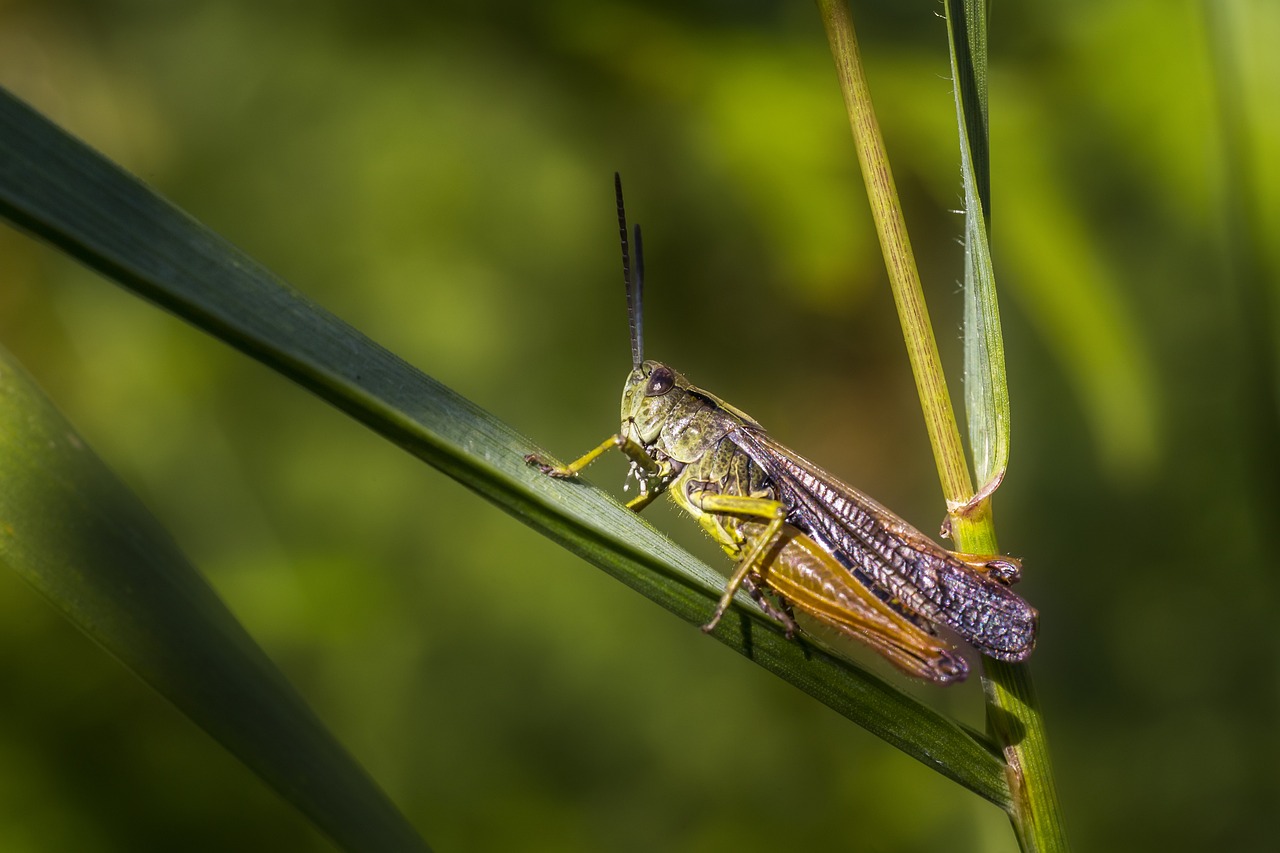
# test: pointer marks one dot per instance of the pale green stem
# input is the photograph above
(904, 279)
(1011, 704)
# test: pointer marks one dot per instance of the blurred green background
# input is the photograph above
(439, 175)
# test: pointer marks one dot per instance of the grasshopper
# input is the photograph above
(798, 534)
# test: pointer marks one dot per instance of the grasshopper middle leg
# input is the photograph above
(773, 513)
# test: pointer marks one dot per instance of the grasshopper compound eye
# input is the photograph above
(661, 381)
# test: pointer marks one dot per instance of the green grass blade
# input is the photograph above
(80, 537)
(55, 187)
(986, 386)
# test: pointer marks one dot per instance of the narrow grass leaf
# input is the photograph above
(73, 531)
(986, 389)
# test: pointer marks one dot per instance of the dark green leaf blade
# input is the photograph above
(81, 538)
(59, 189)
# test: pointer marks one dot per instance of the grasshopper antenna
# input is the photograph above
(637, 314)
(634, 286)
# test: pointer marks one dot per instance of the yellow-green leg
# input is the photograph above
(633, 451)
(572, 469)
(770, 511)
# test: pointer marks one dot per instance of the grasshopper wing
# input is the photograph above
(904, 568)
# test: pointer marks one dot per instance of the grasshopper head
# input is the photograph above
(652, 392)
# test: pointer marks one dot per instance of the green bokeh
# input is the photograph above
(441, 178)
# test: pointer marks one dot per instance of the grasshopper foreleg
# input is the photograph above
(652, 475)
(571, 470)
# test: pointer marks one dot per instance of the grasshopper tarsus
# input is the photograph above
(782, 615)
(721, 608)
(559, 472)
(1003, 570)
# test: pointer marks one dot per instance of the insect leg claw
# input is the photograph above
(535, 461)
